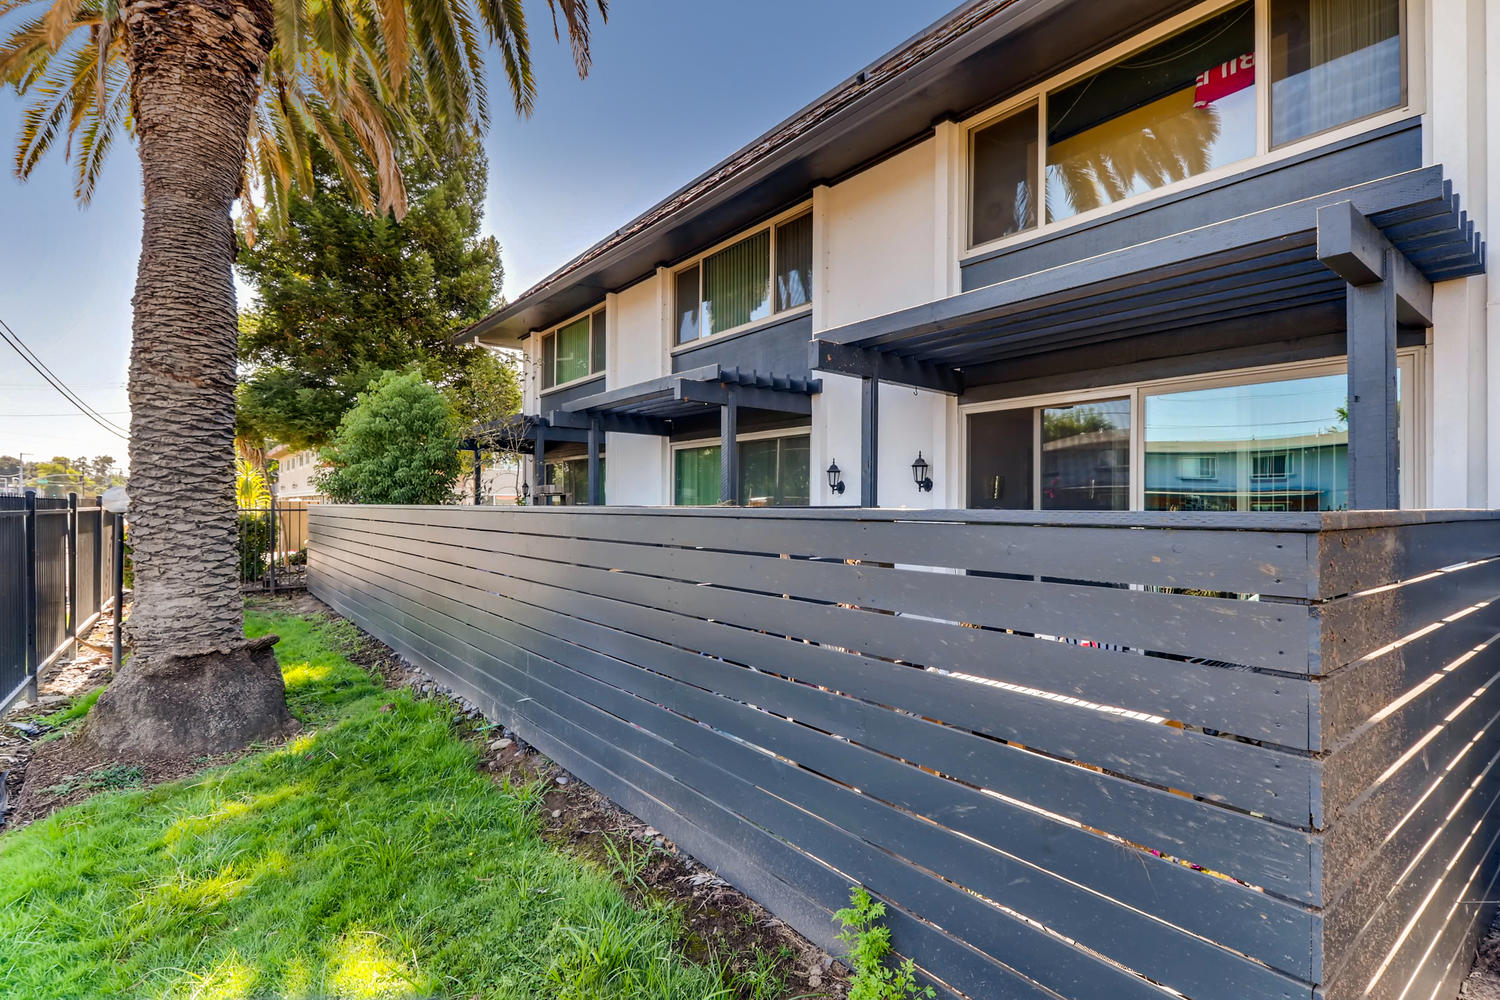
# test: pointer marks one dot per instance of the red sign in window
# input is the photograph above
(1224, 79)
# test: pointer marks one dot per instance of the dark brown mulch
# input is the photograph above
(719, 921)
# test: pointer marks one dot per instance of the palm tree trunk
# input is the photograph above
(192, 683)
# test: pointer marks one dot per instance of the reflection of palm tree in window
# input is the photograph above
(1127, 155)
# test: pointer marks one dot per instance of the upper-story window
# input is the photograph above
(767, 272)
(1183, 105)
(573, 351)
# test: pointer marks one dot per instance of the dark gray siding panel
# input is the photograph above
(1372, 155)
(556, 399)
(780, 349)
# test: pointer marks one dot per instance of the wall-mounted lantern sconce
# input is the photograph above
(919, 474)
(835, 480)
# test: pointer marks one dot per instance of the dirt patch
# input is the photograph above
(769, 958)
(61, 683)
(67, 769)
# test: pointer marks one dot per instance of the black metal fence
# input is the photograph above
(273, 545)
(1076, 755)
(56, 575)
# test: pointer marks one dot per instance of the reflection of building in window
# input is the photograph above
(1202, 467)
(1269, 466)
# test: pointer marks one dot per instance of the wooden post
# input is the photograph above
(73, 571)
(96, 599)
(1374, 479)
(596, 480)
(32, 692)
(478, 474)
(869, 426)
(729, 452)
(539, 461)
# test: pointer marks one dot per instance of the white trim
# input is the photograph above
(769, 226)
(1412, 104)
(755, 326)
(592, 376)
(1410, 361)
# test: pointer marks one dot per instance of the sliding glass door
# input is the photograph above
(774, 472)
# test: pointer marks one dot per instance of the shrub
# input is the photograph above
(398, 444)
(255, 546)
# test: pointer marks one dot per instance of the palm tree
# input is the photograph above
(225, 99)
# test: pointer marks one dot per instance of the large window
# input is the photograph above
(1332, 61)
(767, 272)
(573, 351)
(1277, 439)
(1273, 446)
(1181, 106)
(568, 481)
(774, 472)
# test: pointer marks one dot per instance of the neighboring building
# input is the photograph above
(1182, 223)
(294, 473)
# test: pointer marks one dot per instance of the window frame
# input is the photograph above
(597, 334)
(1411, 361)
(771, 227)
(1412, 103)
(714, 439)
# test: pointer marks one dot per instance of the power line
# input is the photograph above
(40, 367)
(36, 365)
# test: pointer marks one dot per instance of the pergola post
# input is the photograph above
(1385, 290)
(869, 428)
(539, 460)
(596, 481)
(729, 452)
(478, 473)
(1374, 469)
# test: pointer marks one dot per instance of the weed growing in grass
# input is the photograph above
(764, 980)
(77, 710)
(628, 861)
(368, 857)
(869, 945)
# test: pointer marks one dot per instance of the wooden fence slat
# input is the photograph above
(1243, 702)
(1260, 779)
(1162, 555)
(1281, 933)
(1254, 633)
(700, 749)
(810, 698)
(964, 967)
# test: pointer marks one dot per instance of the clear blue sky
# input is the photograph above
(676, 86)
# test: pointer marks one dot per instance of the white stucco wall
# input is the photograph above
(1465, 368)
(636, 346)
(885, 243)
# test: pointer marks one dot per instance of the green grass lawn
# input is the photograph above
(367, 858)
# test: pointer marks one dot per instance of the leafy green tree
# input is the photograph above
(398, 444)
(345, 296)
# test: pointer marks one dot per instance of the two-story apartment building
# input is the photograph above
(1149, 254)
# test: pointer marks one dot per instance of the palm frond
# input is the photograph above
(342, 75)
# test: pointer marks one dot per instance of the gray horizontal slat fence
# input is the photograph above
(1085, 755)
(13, 654)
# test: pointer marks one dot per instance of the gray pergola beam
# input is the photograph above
(846, 359)
(719, 394)
(610, 423)
(1352, 247)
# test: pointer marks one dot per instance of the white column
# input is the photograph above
(1459, 453)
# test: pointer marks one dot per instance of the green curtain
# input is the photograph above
(697, 480)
